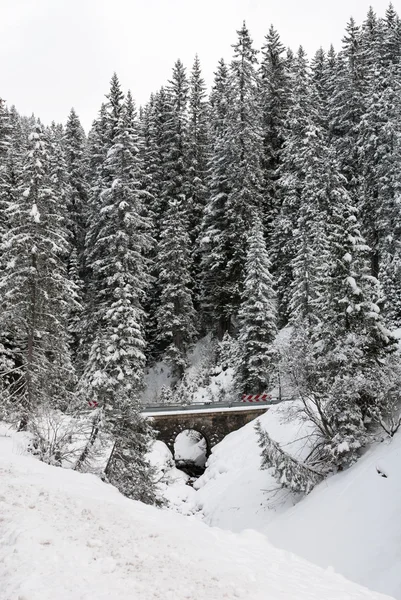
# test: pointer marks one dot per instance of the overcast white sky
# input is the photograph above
(55, 54)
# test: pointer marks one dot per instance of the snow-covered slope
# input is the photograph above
(351, 522)
(67, 536)
(234, 493)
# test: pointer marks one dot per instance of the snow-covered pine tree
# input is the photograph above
(297, 476)
(34, 284)
(114, 372)
(115, 99)
(149, 157)
(76, 160)
(379, 157)
(198, 149)
(5, 148)
(5, 130)
(257, 317)
(197, 174)
(97, 148)
(60, 179)
(214, 247)
(244, 150)
(359, 350)
(388, 149)
(100, 141)
(310, 261)
(175, 316)
(342, 370)
(10, 169)
(392, 36)
(346, 106)
(154, 156)
(291, 182)
(274, 101)
(176, 139)
(58, 174)
(373, 119)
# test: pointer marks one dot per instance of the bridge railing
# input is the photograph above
(211, 405)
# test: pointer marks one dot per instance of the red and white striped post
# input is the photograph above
(255, 397)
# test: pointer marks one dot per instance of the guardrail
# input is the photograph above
(208, 405)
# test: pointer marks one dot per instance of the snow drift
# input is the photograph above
(69, 536)
(350, 522)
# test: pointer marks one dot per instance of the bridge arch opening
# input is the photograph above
(191, 451)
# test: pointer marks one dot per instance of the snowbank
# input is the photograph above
(234, 493)
(68, 536)
(351, 522)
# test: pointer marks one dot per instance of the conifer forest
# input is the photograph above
(270, 201)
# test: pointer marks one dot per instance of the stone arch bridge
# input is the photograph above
(211, 421)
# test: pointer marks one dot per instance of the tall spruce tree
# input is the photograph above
(174, 313)
(76, 161)
(175, 316)
(291, 182)
(34, 285)
(154, 153)
(214, 247)
(257, 317)
(198, 149)
(119, 277)
(343, 368)
(274, 100)
(176, 139)
(243, 138)
(198, 155)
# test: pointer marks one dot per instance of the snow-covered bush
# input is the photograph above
(290, 473)
(66, 440)
(349, 395)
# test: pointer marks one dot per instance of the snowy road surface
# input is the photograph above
(67, 536)
(197, 408)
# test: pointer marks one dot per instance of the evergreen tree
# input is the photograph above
(34, 285)
(5, 148)
(214, 247)
(119, 277)
(342, 369)
(198, 154)
(379, 155)
(244, 150)
(291, 473)
(309, 264)
(274, 100)
(5, 130)
(346, 106)
(76, 162)
(100, 142)
(154, 156)
(175, 315)
(291, 183)
(198, 149)
(10, 171)
(257, 317)
(176, 139)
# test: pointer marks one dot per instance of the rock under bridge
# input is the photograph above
(211, 421)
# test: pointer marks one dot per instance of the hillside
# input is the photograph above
(350, 523)
(68, 536)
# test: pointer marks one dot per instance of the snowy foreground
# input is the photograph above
(351, 522)
(67, 536)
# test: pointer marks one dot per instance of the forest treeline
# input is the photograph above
(272, 201)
